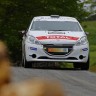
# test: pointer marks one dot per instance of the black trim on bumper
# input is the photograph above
(69, 58)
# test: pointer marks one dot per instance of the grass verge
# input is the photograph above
(90, 26)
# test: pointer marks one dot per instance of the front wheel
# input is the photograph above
(25, 63)
(82, 66)
(85, 66)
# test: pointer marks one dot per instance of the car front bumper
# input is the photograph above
(35, 52)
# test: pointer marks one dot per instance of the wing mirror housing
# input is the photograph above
(87, 33)
(22, 33)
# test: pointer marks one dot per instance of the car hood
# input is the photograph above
(57, 37)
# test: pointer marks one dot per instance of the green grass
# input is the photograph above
(93, 68)
(90, 26)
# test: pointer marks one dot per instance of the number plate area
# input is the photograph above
(58, 50)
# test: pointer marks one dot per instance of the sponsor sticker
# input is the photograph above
(85, 49)
(56, 32)
(57, 37)
(33, 48)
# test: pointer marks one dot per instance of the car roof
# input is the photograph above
(55, 18)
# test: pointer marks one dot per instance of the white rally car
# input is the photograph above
(55, 38)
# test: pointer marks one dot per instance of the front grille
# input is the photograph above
(69, 46)
(69, 58)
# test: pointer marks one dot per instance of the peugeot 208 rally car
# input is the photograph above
(55, 38)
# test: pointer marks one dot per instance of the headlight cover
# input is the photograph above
(32, 40)
(82, 41)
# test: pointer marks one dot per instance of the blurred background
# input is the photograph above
(16, 15)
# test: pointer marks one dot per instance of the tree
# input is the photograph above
(15, 15)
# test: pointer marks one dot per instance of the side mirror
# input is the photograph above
(23, 32)
(87, 33)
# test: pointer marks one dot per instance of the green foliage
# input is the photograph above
(91, 28)
(15, 15)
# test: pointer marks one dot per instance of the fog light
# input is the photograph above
(81, 57)
(33, 55)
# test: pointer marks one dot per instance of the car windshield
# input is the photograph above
(56, 26)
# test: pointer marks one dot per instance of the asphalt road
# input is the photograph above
(75, 82)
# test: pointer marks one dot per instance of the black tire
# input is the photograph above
(85, 66)
(25, 63)
(82, 66)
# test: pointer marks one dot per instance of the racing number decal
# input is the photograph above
(57, 37)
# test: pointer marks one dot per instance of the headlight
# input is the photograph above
(82, 41)
(32, 40)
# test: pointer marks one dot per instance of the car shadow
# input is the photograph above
(52, 67)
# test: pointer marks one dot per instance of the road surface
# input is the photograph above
(75, 82)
